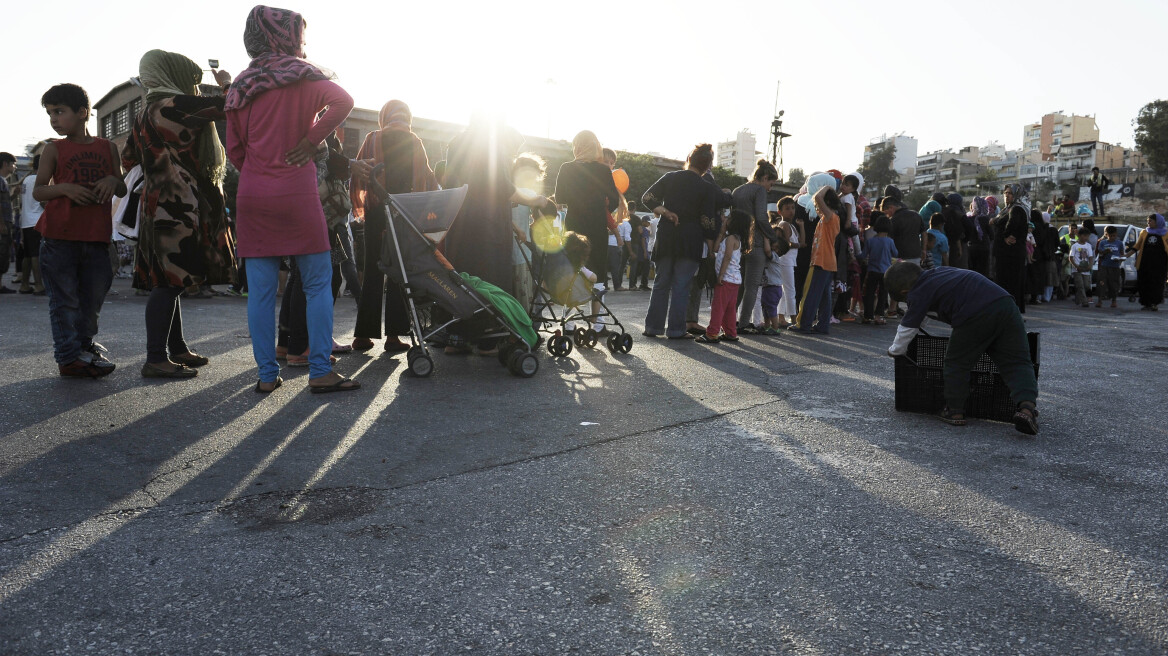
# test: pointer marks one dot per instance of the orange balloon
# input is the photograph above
(621, 179)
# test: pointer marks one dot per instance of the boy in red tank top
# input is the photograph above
(76, 180)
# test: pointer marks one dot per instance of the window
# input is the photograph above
(352, 136)
(121, 120)
(135, 108)
(107, 126)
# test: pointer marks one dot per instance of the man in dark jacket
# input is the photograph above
(1099, 185)
(908, 229)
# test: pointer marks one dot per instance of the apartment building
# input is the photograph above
(1054, 130)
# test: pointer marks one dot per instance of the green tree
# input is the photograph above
(727, 179)
(642, 174)
(877, 171)
(1152, 134)
(796, 177)
(916, 198)
(988, 180)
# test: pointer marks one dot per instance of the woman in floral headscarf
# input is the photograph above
(183, 236)
(272, 135)
(1010, 229)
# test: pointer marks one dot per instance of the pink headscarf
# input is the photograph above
(274, 40)
(992, 202)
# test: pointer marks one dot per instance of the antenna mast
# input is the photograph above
(777, 134)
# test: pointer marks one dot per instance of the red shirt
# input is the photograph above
(86, 165)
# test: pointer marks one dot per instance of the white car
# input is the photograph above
(1128, 234)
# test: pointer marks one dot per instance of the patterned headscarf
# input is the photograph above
(273, 38)
(169, 74)
(1021, 197)
(1161, 228)
(980, 207)
(992, 204)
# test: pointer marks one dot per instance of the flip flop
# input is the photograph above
(339, 386)
(279, 381)
(952, 418)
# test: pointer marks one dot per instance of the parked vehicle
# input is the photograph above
(1128, 233)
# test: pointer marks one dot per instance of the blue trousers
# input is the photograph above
(670, 295)
(263, 278)
(817, 300)
(77, 275)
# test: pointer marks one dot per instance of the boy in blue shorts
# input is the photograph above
(78, 176)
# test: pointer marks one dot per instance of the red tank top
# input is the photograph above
(83, 164)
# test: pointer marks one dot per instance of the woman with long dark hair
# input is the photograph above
(1010, 229)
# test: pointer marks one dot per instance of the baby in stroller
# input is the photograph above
(561, 279)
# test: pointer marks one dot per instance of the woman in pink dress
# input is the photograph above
(272, 134)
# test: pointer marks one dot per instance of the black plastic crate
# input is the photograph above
(920, 385)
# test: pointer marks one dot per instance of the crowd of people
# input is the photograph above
(307, 222)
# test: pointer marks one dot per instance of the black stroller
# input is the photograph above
(410, 258)
(562, 295)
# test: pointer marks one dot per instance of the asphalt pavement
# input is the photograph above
(756, 498)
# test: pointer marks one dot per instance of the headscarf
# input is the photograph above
(1046, 218)
(395, 116)
(991, 205)
(893, 191)
(1161, 228)
(813, 184)
(929, 209)
(980, 207)
(955, 201)
(273, 38)
(1021, 197)
(940, 198)
(169, 74)
(586, 147)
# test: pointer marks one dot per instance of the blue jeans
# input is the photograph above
(817, 301)
(77, 275)
(263, 277)
(670, 294)
(1097, 203)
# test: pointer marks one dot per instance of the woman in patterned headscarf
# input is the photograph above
(1010, 229)
(407, 169)
(273, 132)
(184, 239)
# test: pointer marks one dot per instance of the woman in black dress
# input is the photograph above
(1010, 229)
(1152, 262)
(585, 185)
(479, 241)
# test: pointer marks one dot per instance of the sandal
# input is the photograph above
(342, 348)
(705, 339)
(275, 386)
(302, 360)
(342, 385)
(362, 343)
(1026, 419)
(952, 418)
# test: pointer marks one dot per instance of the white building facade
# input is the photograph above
(739, 155)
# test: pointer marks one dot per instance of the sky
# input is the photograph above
(650, 75)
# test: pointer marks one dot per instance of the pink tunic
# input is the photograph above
(278, 208)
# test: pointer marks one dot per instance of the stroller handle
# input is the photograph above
(374, 185)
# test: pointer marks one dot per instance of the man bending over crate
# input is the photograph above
(985, 319)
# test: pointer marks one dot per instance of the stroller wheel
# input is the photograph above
(559, 346)
(414, 352)
(613, 343)
(626, 343)
(421, 365)
(580, 336)
(590, 339)
(523, 364)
